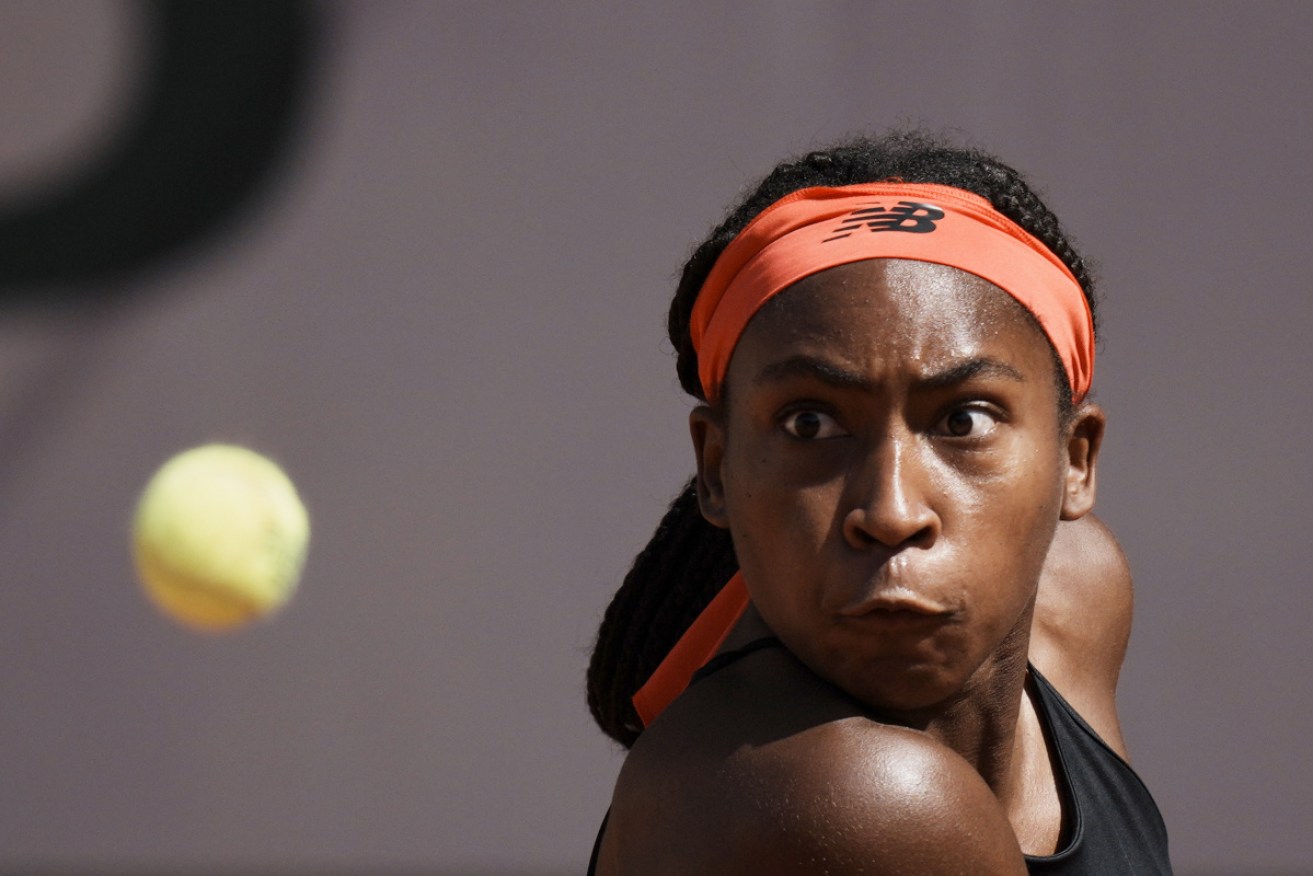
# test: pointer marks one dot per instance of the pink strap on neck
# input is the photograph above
(813, 229)
(698, 645)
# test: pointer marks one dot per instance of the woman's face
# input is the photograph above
(890, 462)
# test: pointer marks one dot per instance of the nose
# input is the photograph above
(890, 499)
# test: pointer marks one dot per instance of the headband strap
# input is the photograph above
(698, 645)
(813, 229)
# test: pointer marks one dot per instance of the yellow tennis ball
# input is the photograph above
(220, 537)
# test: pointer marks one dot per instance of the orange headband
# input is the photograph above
(813, 229)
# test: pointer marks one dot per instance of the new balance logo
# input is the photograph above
(908, 216)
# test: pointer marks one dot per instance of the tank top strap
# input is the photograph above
(725, 658)
(1113, 824)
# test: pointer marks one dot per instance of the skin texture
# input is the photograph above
(890, 462)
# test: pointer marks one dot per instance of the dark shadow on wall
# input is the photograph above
(223, 92)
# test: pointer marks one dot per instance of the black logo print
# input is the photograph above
(907, 216)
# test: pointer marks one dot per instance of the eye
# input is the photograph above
(811, 425)
(971, 422)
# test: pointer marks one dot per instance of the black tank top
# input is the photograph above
(1113, 826)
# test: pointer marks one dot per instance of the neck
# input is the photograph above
(981, 723)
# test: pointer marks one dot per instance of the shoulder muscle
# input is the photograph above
(848, 796)
(1083, 621)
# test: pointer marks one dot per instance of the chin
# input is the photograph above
(907, 690)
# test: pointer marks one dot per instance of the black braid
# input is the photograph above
(688, 560)
(672, 580)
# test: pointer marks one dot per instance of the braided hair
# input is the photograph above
(688, 560)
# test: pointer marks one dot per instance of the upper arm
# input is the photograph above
(1083, 621)
(908, 805)
(825, 801)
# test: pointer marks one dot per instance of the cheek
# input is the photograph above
(1006, 526)
(782, 523)
(997, 511)
(1020, 476)
(767, 516)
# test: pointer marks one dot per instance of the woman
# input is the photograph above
(892, 342)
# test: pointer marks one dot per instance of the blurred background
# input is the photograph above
(420, 254)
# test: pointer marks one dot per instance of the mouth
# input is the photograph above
(897, 604)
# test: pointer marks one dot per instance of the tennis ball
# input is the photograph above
(219, 537)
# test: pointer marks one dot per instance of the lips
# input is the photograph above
(897, 586)
(895, 602)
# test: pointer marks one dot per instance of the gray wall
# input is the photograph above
(445, 319)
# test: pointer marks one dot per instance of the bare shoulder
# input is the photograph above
(1083, 621)
(731, 782)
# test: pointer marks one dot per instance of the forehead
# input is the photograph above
(893, 314)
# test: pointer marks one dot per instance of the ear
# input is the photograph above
(1083, 442)
(708, 432)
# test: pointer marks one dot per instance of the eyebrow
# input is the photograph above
(812, 367)
(961, 373)
(829, 373)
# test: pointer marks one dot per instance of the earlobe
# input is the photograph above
(709, 446)
(1083, 442)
